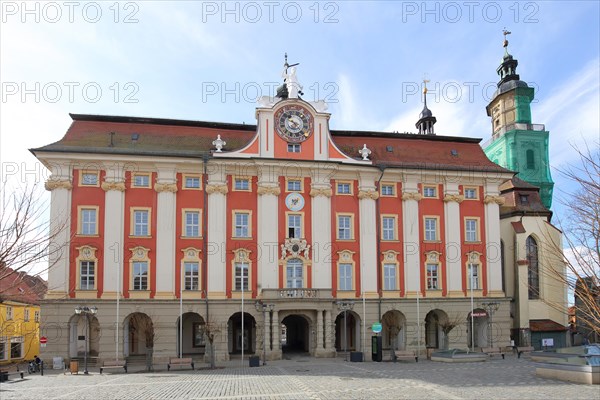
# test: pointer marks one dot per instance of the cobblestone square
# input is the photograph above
(309, 378)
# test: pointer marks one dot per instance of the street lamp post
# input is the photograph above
(260, 306)
(345, 306)
(491, 307)
(87, 311)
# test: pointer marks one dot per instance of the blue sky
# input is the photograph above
(209, 60)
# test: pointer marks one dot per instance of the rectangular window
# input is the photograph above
(242, 225)
(16, 349)
(87, 275)
(89, 178)
(389, 277)
(294, 275)
(429, 191)
(241, 275)
(3, 355)
(9, 313)
(344, 188)
(192, 224)
(191, 182)
(294, 185)
(88, 221)
(388, 226)
(140, 223)
(344, 227)
(198, 334)
(471, 230)
(431, 229)
(473, 276)
(191, 275)
(345, 276)
(470, 193)
(140, 275)
(293, 148)
(432, 277)
(387, 190)
(242, 184)
(295, 226)
(26, 315)
(141, 181)
(36, 316)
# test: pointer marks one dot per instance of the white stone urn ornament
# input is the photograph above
(219, 143)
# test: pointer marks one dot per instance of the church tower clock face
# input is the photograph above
(294, 123)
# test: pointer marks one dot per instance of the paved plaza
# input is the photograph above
(309, 378)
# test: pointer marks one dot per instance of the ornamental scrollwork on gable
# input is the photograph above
(296, 248)
(368, 194)
(52, 184)
(458, 198)
(265, 190)
(118, 186)
(165, 187)
(412, 196)
(216, 188)
(494, 199)
(316, 192)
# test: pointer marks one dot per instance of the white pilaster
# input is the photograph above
(60, 185)
(367, 194)
(217, 232)
(492, 202)
(321, 228)
(268, 215)
(412, 238)
(452, 200)
(329, 336)
(114, 208)
(166, 186)
(319, 332)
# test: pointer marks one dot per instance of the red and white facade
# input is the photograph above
(396, 236)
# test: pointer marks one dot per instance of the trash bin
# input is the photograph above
(254, 361)
(356, 356)
(74, 367)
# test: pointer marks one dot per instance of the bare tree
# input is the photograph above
(212, 329)
(447, 325)
(26, 243)
(142, 325)
(581, 227)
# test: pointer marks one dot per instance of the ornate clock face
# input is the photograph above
(294, 123)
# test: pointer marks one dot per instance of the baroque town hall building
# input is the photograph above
(289, 236)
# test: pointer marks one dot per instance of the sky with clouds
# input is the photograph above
(210, 60)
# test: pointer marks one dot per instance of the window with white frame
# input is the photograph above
(388, 227)
(191, 277)
(294, 185)
(242, 270)
(471, 230)
(432, 277)
(344, 227)
(89, 178)
(87, 275)
(141, 180)
(387, 190)
(242, 184)
(431, 229)
(429, 191)
(16, 347)
(192, 182)
(192, 224)
(141, 219)
(345, 276)
(473, 276)
(242, 225)
(88, 221)
(293, 148)
(470, 193)
(389, 277)
(26, 315)
(36, 316)
(294, 271)
(344, 188)
(295, 225)
(9, 312)
(140, 275)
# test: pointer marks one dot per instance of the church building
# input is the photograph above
(287, 236)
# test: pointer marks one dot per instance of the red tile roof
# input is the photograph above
(20, 287)
(180, 138)
(545, 325)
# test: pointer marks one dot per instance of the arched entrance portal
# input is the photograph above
(235, 337)
(139, 334)
(394, 330)
(479, 337)
(193, 334)
(434, 334)
(297, 334)
(79, 332)
(347, 336)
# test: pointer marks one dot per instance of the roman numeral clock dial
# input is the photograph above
(294, 124)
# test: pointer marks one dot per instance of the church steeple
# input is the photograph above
(426, 118)
(517, 143)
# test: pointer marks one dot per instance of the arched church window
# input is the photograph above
(530, 159)
(533, 279)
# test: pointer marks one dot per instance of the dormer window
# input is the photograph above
(524, 199)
